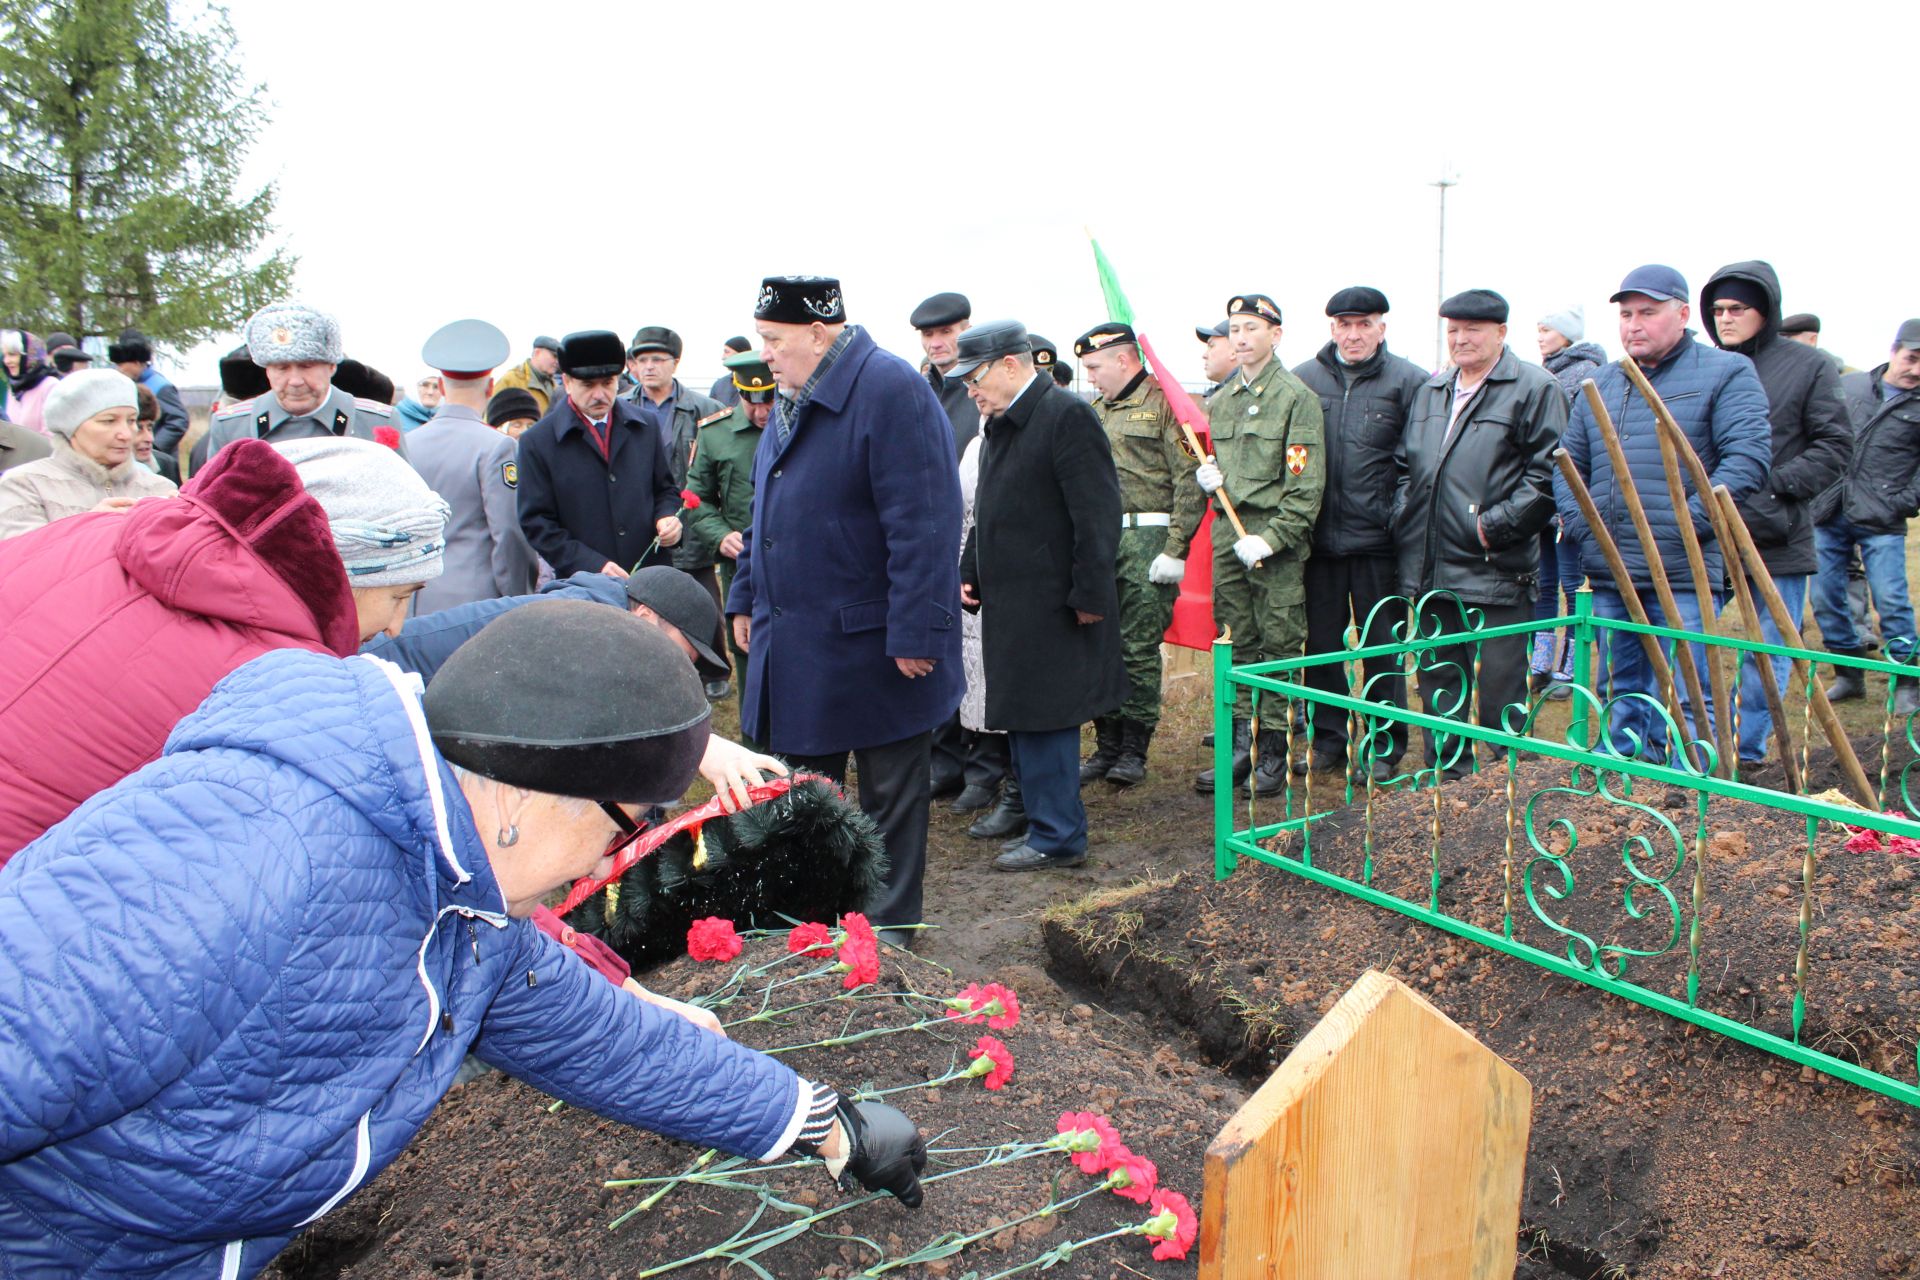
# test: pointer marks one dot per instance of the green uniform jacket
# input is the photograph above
(1268, 442)
(722, 477)
(1155, 472)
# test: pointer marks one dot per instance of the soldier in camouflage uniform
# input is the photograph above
(1161, 511)
(1267, 457)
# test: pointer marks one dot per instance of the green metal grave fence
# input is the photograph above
(1671, 886)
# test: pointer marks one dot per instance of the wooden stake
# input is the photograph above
(1703, 592)
(1790, 632)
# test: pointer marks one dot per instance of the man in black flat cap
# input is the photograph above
(723, 391)
(1477, 490)
(596, 488)
(1039, 565)
(846, 596)
(133, 356)
(940, 321)
(1366, 393)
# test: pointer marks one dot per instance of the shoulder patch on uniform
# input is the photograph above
(1296, 458)
(510, 472)
(373, 405)
(712, 418)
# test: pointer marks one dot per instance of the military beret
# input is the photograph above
(1044, 353)
(1476, 304)
(800, 300)
(1208, 332)
(133, 348)
(1111, 334)
(1359, 300)
(679, 599)
(1258, 304)
(293, 333)
(655, 337)
(1800, 322)
(511, 405)
(592, 353)
(751, 377)
(240, 377)
(941, 309)
(363, 381)
(545, 343)
(989, 341)
(572, 698)
(466, 349)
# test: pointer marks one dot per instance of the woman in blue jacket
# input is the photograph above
(235, 984)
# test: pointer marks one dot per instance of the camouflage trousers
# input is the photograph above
(1146, 611)
(1266, 609)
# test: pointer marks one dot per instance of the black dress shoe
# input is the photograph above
(999, 822)
(974, 797)
(941, 785)
(1027, 858)
(718, 689)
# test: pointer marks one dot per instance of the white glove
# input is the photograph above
(1252, 549)
(1208, 474)
(1165, 571)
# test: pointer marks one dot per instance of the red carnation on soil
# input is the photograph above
(974, 997)
(690, 500)
(856, 926)
(713, 939)
(1141, 1177)
(989, 1050)
(1906, 845)
(1863, 840)
(1110, 1149)
(1186, 1229)
(814, 939)
(861, 956)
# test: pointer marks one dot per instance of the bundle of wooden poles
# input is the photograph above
(1730, 529)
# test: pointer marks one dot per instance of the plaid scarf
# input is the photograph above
(786, 408)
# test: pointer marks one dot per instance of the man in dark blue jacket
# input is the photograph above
(1717, 400)
(846, 595)
(596, 486)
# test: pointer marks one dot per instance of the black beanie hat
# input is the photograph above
(1736, 289)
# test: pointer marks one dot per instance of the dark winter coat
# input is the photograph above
(1573, 365)
(1363, 421)
(690, 410)
(1470, 506)
(849, 564)
(1716, 399)
(1046, 531)
(960, 409)
(1812, 436)
(173, 413)
(1881, 490)
(580, 510)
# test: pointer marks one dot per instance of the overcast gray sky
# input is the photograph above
(586, 164)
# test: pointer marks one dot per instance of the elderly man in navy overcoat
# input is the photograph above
(846, 594)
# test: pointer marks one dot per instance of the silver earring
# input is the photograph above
(507, 837)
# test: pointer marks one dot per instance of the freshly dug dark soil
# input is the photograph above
(497, 1186)
(1657, 1149)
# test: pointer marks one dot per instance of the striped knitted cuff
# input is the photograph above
(818, 1122)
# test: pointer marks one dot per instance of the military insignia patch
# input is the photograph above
(1296, 459)
(282, 336)
(510, 472)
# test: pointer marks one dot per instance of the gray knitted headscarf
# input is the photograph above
(388, 526)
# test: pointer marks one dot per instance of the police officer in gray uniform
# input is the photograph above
(473, 467)
(299, 348)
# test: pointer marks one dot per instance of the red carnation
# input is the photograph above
(997, 1057)
(713, 939)
(855, 925)
(1904, 845)
(1138, 1177)
(967, 1006)
(814, 939)
(1864, 840)
(689, 500)
(1103, 1157)
(860, 956)
(1172, 1248)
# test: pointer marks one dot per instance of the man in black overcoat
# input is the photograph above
(1039, 566)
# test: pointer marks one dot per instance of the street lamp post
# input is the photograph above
(1447, 179)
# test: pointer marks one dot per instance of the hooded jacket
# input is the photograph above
(1812, 437)
(235, 986)
(240, 563)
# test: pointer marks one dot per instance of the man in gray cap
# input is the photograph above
(475, 469)
(535, 375)
(299, 348)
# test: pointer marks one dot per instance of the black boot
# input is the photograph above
(1242, 758)
(1848, 682)
(1106, 749)
(1131, 767)
(1906, 697)
(1006, 818)
(1270, 775)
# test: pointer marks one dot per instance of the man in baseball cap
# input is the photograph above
(299, 348)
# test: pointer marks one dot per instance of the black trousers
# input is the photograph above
(1446, 674)
(893, 792)
(980, 759)
(1339, 586)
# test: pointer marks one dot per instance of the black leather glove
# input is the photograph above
(884, 1150)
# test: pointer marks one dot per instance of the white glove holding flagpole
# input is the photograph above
(1208, 475)
(1252, 549)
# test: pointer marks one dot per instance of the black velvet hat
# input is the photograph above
(572, 698)
(800, 300)
(592, 353)
(941, 309)
(1358, 300)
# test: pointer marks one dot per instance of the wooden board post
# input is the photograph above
(1390, 1145)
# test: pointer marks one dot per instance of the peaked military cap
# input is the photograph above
(751, 377)
(1258, 304)
(800, 300)
(989, 341)
(1476, 304)
(656, 337)
(1357, 301)
(466, 349)
(1044, 353)
(941, 309)
(592, 353)
(1101, 336)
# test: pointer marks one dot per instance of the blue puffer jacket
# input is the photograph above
(1716, 398)
(427, 642)
(234, 985)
